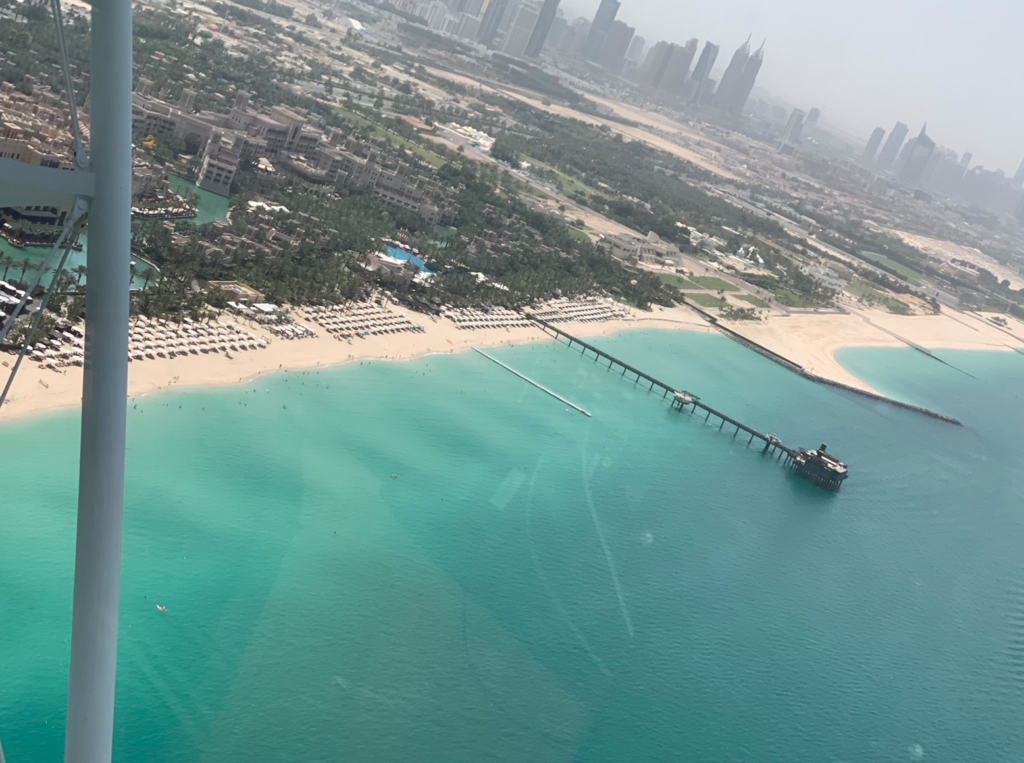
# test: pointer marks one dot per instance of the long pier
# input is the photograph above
(683, 400)
(602, 355)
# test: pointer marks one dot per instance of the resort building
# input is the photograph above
(293, 137)
(34, 129)
(633, 250)
(237, 292)
(220, 162)
(824, 276)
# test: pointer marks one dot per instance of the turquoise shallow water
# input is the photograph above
(535, 585)
(211, 208)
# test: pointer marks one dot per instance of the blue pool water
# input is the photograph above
(402, 255)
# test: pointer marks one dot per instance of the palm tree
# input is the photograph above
(6, 262)
(24, 266)
(79, 272)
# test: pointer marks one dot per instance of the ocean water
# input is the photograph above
(535, 585)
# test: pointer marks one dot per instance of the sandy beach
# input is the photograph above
(810, 340)
(39, 389)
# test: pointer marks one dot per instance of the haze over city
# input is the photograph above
(869, 64)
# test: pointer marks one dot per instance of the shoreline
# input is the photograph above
(809, 340)
(37, 390)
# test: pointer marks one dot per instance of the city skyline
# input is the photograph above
(884, 74)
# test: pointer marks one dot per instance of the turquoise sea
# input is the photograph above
(535, 585)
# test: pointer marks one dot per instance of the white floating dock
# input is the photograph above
(535, 384)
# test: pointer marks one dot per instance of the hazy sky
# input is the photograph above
(956, 64)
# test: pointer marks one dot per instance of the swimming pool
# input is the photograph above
(400, 254)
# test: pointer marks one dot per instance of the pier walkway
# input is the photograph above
(808, 464)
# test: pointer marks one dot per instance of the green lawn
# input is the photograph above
(790, 298)
(712, 284)
(706, 300)
(872, 297)
(880, 259)
(569, 186)
(579, 235)
(678, 281)
(755, 301)
(426, 155)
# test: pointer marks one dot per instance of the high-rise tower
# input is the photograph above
(872, 147)
(733, 74)
(1018, 178)
(613, 56)
(746, 82)
(655, 63)
(892, 146)
(524, 22)
(678, 67)
(543, 28)
(599, 30)
(791, 135)
(636, 49)
(491, 21)
(917, 159)
(701, 72)
(794, 127)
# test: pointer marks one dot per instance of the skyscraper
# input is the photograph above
(636, 49)
(901, 158)
(1018, 178)
(791, 135)
(678, 67)
(701, 72)
(746, 81)
(559, 28)
(943, 173)
(613, 56)
(491, 21)
(917, 159)
(542, 28)
(599, 30)
(965, 160)
(813, 115)
(520, 30)
(794, 126)
(731, 79)
(506, 20)
(573, 38)
(472, 7)
(872, 147)
(892, 146)
(655, 63)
